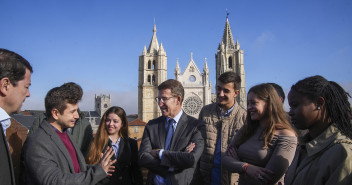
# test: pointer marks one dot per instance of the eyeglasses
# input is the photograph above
(163, 99)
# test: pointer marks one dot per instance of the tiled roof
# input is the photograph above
(137, 122)
(25, 120)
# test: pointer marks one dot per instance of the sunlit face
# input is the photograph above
(18, 94)
(303, 112)
(256, 107)
(69, 116)
(172, 106)
(113, 124)
(226, 94)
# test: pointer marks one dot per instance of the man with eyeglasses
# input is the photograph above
(173, 143)
(223, 119)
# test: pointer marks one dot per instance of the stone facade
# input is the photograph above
(102, 103)
(229, 57)
(197, 87)
(136, 128)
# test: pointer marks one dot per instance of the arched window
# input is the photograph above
(154, 64)
(148, 78)
(149, 64)
(230, 62)
(153, 79)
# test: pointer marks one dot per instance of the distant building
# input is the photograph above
(136, 127)
(102, 103)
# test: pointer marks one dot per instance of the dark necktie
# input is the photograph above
(169, 133)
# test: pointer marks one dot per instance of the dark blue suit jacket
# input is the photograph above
(188, 130)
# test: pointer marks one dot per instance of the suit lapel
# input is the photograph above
(50, 130)
(181, 126)
(161, 132)
(122, 145)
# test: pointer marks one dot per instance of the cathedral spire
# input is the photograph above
(154, 45)
(177, 70)
(206, 69)
(161, 49)
(227, 38)
(144, 50)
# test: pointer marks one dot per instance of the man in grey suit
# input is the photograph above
(51, 156)
(173, 143)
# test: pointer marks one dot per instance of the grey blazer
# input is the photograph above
(47, 161)
(188, 130)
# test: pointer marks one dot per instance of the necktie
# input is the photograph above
(169, 134)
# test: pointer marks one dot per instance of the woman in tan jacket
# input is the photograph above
(324, 155)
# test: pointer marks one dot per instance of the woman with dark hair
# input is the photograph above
(264, 147)
(324, 155)
(113, 132)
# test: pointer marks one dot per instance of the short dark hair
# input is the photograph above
(13, 66)
(57, 97)
(175, 87)
(231, 77)
(279, 90)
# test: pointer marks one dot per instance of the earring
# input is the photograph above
(318, 108)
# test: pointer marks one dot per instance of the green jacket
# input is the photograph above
(326, 159)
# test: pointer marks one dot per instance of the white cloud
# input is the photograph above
(263, 39)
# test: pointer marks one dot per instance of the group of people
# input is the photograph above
(226, 145)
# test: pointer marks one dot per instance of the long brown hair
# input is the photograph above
(102, 137)
(275, 115)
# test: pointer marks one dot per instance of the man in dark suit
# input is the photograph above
(173, 143)
(51, 156)
(15, 79)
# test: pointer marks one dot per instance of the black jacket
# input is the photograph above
(127, 170)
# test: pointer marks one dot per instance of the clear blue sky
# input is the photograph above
(97, 43)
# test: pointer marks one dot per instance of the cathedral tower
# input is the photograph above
(102, 103)
(152, 72)
(229, 57)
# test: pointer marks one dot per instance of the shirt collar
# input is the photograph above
(176, 118)
(330, 135)
(3, 115)
(228, 112)
(117, 142)
(64, 131)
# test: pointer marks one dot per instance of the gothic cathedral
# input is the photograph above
(153, 71)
